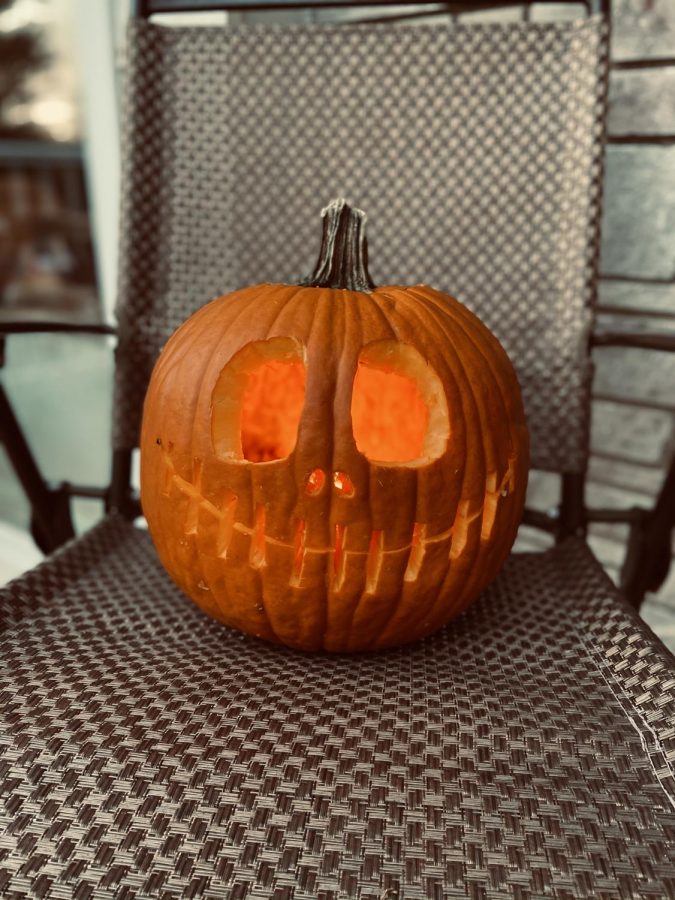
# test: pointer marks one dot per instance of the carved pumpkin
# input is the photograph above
(333, 465)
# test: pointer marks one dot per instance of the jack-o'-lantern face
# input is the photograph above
(397, 419)
(333, 469)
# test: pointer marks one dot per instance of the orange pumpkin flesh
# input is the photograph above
(389, 415)
(334, 468)
(270, 410)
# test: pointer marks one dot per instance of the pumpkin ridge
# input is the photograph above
(264, 601)
(412, 312)
(501, 366)
(497, 550)
(457, 333)
(455, 369)
(319, 320)
(351, 349)
(203, 387)
(221, 602)
(477, 571)
(465, 321)
(336, 301)
(395, 604)
(504, 372)
(289, 303)
(204, 397)
(173, 352)
(468, 402)
(212, 311)
(297, 300)
(496, 386)
(322, 619)
(177, 373)
(498, 361)
(454, 331)
(401, 608)
(312, 336)
(375, 303)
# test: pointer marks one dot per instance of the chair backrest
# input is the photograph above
(476, 152)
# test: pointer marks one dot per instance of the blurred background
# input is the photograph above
(61, 86)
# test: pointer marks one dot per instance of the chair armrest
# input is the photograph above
(649, 552)
(653, 341)
(28, 326)
(51, 523)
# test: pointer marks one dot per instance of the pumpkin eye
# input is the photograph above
(399, 411)
(257, 402)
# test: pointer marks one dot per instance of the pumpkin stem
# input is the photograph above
(343, 257)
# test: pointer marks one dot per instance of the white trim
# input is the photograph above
(94, 36)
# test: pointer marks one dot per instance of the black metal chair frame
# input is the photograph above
(648, 553)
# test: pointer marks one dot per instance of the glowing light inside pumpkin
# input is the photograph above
(398, 407)
(271, 407)
(339, 555)
(257, 401)
(343, 484)
(389, 416)
(315, 481)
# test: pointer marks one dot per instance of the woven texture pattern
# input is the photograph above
(475, 151)
(145, 751)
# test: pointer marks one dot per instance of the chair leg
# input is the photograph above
(51, 523)
(649, 553)
(121, 497)
(572, 513)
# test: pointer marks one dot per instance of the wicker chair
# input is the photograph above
(525, 750)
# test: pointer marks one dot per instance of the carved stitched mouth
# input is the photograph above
(376, 554)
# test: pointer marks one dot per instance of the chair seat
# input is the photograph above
(147, 751)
